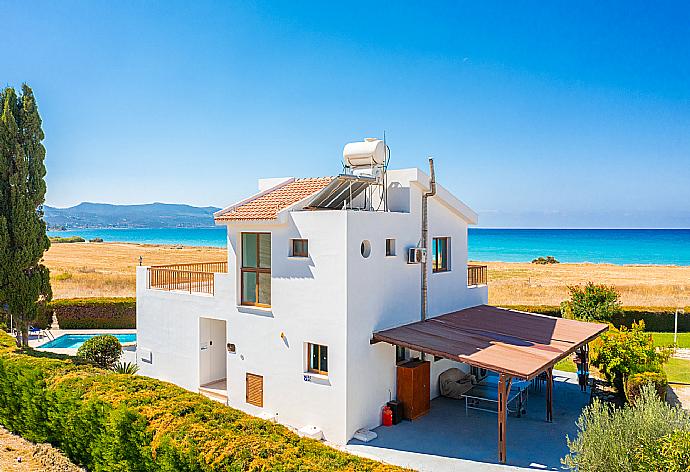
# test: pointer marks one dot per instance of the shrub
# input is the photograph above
(126, 368)
(670, 453)
(619, 353)
(621, 439)
(109, 422)
(591, 303)
(545, 260)
(62, 276)
(95, 313)
(96, 240)
(69, 239)
(635, 383)
(104, 350)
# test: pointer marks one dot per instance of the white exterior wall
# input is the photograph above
(168, 326)
(335, 297)
(308, 301)
(308, 298)
(384, 292)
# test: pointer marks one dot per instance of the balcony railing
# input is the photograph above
(196, 277)
(476, 275)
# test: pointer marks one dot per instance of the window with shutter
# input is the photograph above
(255, 390)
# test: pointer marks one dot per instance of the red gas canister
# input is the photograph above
(387, 416)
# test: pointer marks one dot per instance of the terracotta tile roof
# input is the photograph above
(267, 206)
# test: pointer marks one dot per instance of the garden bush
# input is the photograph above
(591, 303)
(670, 453)
(545, 260)
(128, 368)
(109, 422)
(95, 313)
(628, 439)
(635, 383)
(656, 319)
(619, 353)
(104, 351)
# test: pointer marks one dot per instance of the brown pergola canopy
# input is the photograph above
(510, 342)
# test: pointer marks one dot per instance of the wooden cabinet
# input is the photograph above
(413, 388)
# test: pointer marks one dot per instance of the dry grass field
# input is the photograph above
(79, 270)
(107, 270)
(19, 455)
(639, 285)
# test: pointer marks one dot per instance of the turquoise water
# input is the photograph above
(74, 341)
(616, 246)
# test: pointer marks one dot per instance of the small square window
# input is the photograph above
(317, 359)
(300, 248)
(390, 247)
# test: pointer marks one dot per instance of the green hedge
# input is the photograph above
(95, 313)
(112, 422)
(69, 239)
(659, 319)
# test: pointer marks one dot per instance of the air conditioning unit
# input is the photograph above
(416, 255)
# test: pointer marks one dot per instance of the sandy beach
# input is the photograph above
(108, 270)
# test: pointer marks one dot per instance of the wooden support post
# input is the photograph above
(549, 394)
(504, 383)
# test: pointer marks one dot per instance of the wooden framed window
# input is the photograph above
(300, 248)
(317, 359)
(255, 389)
(390, 247)
(256, 269)
(439, 254)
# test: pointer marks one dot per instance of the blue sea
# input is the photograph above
(616, 246)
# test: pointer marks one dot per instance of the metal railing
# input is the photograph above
(198, 277)
(476, 275)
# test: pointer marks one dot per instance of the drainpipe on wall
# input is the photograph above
(425, 233)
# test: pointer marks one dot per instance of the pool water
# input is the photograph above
(73, 341)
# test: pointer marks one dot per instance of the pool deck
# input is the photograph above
(128, 352)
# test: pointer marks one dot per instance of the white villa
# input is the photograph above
(284, 328)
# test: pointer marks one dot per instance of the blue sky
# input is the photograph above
(528, 108)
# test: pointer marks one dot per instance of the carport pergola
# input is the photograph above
(511, 343)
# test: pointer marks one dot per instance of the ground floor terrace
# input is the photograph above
(450, 439)
(520, 348)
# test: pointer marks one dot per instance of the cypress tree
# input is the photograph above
(24, 280)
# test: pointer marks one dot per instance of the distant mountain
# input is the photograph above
(151, 215)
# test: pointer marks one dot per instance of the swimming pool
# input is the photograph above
(73, 341)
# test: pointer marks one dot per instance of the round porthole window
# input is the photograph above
(365, 248)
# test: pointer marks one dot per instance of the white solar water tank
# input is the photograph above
(367, 153)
